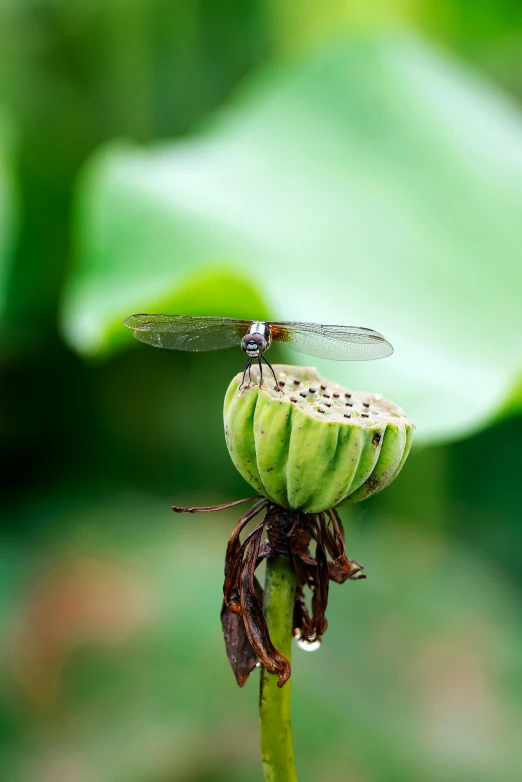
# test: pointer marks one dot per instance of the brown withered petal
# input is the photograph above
(289, 533)
(343, 569)
(234, 559)
(241, 656)
(239, 650)
(254, 619)
(321, 587)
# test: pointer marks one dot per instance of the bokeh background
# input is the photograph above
(318, 161)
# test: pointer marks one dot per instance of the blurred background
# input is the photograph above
(313, 161)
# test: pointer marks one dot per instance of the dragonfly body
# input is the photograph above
(185, 332)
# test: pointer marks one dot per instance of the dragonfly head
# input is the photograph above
(254, 345)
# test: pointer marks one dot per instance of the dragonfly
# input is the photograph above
(186, 332)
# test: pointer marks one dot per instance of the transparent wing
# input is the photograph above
(339, 343)
(183, 332)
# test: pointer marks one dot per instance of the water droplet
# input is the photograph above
(309, 646)
(258, 664)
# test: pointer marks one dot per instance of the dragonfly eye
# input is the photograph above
(253, 343)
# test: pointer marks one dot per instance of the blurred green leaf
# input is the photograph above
(8, 204)
(374, 183)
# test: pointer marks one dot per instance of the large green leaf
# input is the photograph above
(374, 182)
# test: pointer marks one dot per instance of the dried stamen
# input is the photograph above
(289, 533)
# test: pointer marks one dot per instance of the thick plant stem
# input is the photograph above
(274, 702)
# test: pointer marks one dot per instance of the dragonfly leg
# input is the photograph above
(260, 371)
(272, 370)
(247, 368)
(249, 372)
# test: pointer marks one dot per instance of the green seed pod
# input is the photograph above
(313, 444)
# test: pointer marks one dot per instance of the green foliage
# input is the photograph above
(8, 204)
(75, 74)
(374, 182)
(418, 676)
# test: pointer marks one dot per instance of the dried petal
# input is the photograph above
(255, 622)
(241, 656)
(240, 653)
(343, 569)
(320, 592)
(234, 558)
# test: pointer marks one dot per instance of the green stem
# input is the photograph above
(274, 702)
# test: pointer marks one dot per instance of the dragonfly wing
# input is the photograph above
(183, 332)
(338, 343)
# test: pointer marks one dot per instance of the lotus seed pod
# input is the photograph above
(313, 444)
